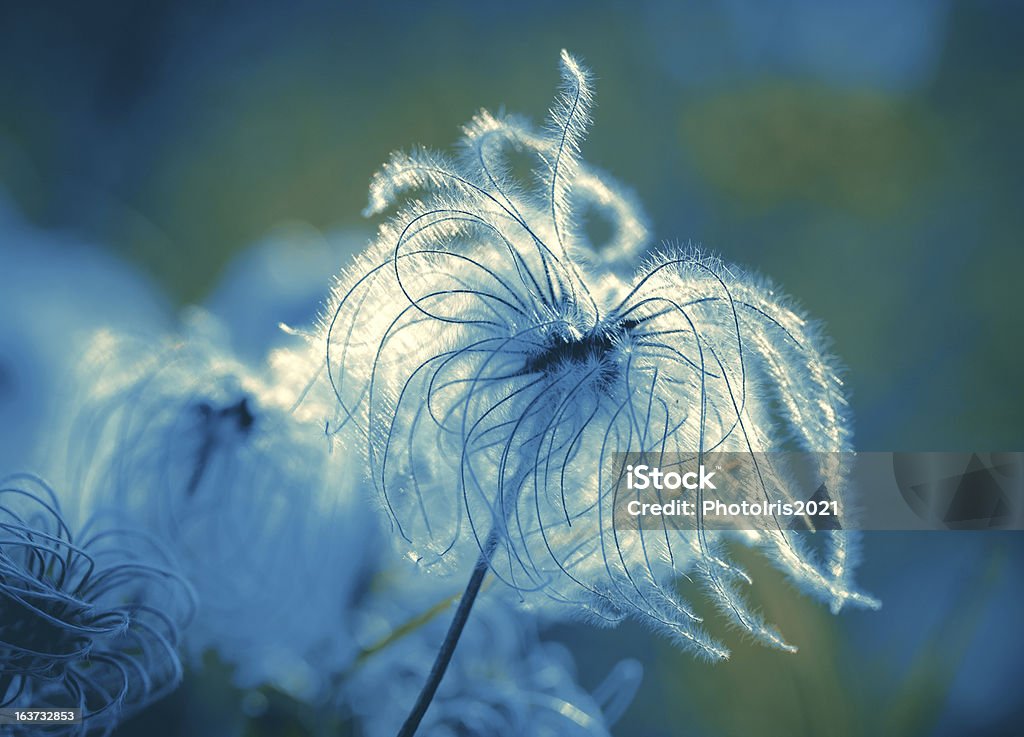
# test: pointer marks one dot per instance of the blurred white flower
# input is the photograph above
(219, 462)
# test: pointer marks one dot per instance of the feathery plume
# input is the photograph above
(495, 369)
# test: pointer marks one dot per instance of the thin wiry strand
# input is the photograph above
(503, 681)
(564, 184)
(88, 620)
(629, 235)
(496, 382)
(570, 118)
(486, 145)
(216, 461)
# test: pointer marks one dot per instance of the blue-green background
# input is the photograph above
(866, 156)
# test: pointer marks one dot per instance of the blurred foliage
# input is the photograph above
(826, 688)
(776, 142)
(208, 704)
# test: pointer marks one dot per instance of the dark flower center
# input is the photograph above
(595, 346)
(235, 417)
(237, 413)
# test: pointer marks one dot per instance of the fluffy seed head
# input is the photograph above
(495, 368)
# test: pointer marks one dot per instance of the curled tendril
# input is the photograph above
(89, 621)
(494, 375)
